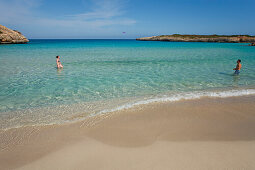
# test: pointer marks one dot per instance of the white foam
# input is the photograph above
(182, 96)
(165, 98)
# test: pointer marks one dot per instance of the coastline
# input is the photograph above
(78, 112)
(188, 134)
(201, 38)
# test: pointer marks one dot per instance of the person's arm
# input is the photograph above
(237, 67)
(57, 63)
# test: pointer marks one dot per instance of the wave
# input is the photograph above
(79, 109)
(181, 96)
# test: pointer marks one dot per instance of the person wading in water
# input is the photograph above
(238, 67)
(59, 65)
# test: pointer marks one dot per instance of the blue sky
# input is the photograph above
(138, 18)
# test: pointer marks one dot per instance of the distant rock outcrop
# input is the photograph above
(201, 38)
(8, 36)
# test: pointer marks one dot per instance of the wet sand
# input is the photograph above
(208, 133)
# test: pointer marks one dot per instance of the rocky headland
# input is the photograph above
(8, 36)
(202, 38)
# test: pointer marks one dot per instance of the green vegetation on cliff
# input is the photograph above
(203, 36)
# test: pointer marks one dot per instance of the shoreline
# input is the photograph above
(79, 114)
(213, 130)
(201, 38)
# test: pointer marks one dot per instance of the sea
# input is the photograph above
(102, 76)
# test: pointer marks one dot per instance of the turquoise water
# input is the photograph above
(101, 75)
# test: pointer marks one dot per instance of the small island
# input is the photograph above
(8, 36)
(201, 38)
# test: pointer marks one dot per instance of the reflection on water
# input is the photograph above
(236, 79)
(226, 74)
(60, 73)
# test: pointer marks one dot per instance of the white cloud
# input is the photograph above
(12, 11)
(102, 13)
(103, 9)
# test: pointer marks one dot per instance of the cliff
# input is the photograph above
(8, 36)
(201, 38)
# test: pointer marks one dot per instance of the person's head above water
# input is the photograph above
(238, 61)
(57, 56)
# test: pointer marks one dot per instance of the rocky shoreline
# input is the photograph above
(201, 38)
(8, 36)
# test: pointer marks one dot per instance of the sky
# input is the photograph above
(108, 19)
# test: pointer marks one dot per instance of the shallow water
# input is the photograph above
(102, 75)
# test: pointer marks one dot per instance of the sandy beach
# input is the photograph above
(127, 85)
(208, 133)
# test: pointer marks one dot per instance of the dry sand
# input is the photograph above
(209, 133)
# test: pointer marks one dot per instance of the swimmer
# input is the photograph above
(59, 65)
(238, 67)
